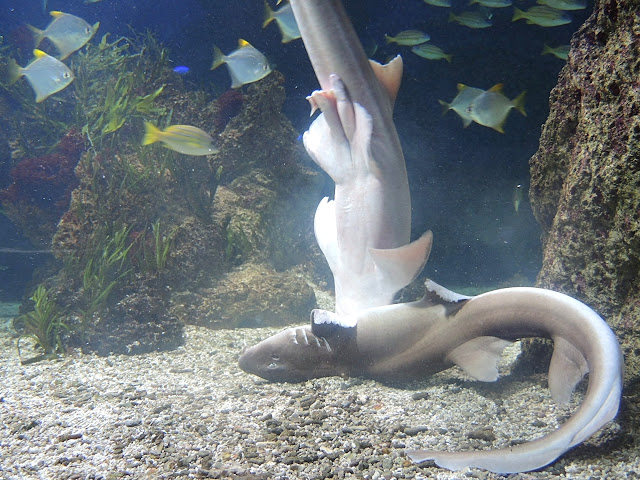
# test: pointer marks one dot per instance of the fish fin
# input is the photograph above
(445, 106)
(439, 295)
(14, 71)
(268, 15)
(243, 43)
(518, 103)
(517, 14)
(567, 368)
(452, 17)
(479, 357)
(499, 127)
(400, 266)
(497, 88)
(607, 412)
(38, 34)
(466, 122)
(389, 75)
(218, 58)
(39, 53)
(448, 58)
(389, 39)
(461, 86)
(547, 50)
(152, 133)
(325, 317)
(56, 13)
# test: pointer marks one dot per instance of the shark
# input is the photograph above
(364, 230)
(364, 233)
(410, 340)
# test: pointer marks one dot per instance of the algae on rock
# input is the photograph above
(585, 186)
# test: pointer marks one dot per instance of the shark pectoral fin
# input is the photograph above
(336, 330)
(479, 357)
(389, 75)
(326, 143)
(567, 368)
(400, 266)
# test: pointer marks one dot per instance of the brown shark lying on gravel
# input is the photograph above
(410, 340)
(364, 234)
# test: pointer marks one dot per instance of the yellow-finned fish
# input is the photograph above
(285, 20)
(542, 15)
(45, 74)
(408, 38)
(430, 52)
(472, 19)
(438, 3)
(181, 138)
(67, 32)
(245, 64)
(564, 4)
(561, 51)
(460, 104)
(491, 108)
(492, 3)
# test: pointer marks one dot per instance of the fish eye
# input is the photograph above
(66, 75)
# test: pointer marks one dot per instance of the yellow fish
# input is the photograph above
(45, 74)
(542, 15)
(409, 38)
(67, 32)
(561, 51)
(181, 138)
(430, 52)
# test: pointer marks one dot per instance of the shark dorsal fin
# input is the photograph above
(389, 75)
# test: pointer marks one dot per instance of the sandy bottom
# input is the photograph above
(192, 413)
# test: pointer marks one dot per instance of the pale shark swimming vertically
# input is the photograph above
(364, 231)
(364, 234)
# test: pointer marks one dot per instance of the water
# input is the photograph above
(462, 179)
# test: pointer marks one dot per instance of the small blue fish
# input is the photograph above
(182, 70)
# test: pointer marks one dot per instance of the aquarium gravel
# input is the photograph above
(191, 413)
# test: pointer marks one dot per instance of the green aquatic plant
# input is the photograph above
(104, 270)
(152, 253)
(116, 82)
(43, 325)
(161, 245)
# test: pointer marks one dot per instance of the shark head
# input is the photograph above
(293, 355)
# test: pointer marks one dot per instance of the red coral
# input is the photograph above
(47, 181)
(228, 105)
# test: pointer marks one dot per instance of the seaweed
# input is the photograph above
(112, 81)
(43, 325)
(103, 271)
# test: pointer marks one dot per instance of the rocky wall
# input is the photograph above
(585, 176)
